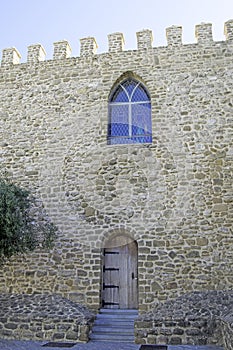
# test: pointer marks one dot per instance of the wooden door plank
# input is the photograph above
(132, 275)
(111, 278)
(120, 284)
(123, 278)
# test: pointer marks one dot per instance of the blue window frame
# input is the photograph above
(129, 114)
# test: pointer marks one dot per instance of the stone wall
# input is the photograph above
(43, 317)
(173, 196)
(69, 270)
(226, 326)
(198, 318)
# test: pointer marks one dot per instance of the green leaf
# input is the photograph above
(19, 230)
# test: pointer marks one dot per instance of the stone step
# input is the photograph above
(116, 318)
(112, 338)
(116, 325)
(114, 322)
(119, 311)
(113, 330)
(129, 316)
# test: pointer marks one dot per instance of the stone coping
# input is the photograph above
(42, 305)
(205, 305)
(43, 316)
(197, 318)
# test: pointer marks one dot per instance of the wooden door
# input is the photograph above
(120, 283)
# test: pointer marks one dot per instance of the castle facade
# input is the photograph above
(130, 155)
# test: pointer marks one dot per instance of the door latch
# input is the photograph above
(133, 276)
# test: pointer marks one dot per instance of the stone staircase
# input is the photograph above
(114, 325)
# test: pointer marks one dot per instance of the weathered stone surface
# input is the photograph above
(43, 317)
(198, 318)
(173, 196)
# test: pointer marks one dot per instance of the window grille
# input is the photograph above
(129, 114)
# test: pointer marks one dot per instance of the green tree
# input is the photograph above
(19, 230)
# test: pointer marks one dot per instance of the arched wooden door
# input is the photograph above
(120, 274)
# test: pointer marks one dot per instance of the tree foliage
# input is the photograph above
(19, 230)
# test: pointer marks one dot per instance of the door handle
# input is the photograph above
(133, 277)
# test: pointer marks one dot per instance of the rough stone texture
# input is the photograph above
(43, 317)
(226, 325)
(116, 42)
(203, 33)
(62, 50)
(10, 56)
(173, 196)
(144, 39)
(36, 53)
(198, 318)
(88, 46)
(174, 35)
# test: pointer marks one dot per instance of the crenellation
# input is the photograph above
(88, 47)
(62, 50)
(10, 56)
(36, 53)
(203, 33)
(144, 39)
(228, 30)
(116, 42)
(170, 194)
(174, 36)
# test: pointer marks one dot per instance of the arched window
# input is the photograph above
(129, 114)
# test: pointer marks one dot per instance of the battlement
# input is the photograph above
(88, 48)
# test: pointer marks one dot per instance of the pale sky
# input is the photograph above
(26, 22)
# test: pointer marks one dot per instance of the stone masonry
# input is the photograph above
(197, 318)
(43, 317)
(173, 196)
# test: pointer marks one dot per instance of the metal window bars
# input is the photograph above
(129, 114)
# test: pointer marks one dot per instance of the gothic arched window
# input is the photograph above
(129, 114)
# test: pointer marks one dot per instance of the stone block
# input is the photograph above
(144, 39)
(10, 56)
(116, 42)
(174, 36)
(228, 30)
(36, 53)
(88, 47)
(62, 50)
(203, 33)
